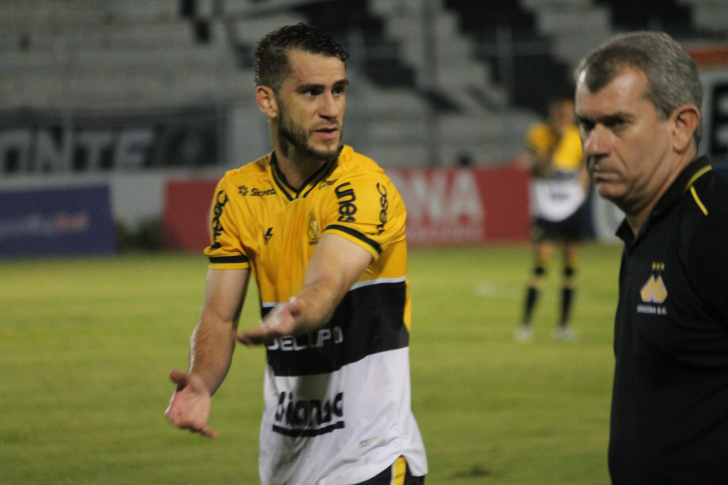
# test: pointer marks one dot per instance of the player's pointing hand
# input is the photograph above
(282, 320)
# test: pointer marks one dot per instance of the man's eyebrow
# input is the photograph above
(316, 86)
(606, 120)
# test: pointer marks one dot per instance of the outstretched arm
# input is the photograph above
(211, 350)
(334, 267)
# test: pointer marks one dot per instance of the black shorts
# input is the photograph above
(570, 229)
(397, 474)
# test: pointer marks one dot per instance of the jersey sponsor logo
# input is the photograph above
(384, 202)
(346, 197)
(220, 200)
(268, 235)
(313, 340)
(244, 191)
(314, 233)
(327, 183)
(308, 417)
(654, 293)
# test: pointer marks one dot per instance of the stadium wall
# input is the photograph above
(444, 207)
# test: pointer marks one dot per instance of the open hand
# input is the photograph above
(190, 404)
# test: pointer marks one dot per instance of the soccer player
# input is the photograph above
(559, 186)
(322, 228)
(638, 101)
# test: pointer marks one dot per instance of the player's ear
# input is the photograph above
(686, 119)
(267, 101)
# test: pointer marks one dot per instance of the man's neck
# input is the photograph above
(638, 217)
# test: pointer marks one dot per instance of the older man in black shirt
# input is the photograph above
(637, 106)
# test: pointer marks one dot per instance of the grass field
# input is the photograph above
(86, 345)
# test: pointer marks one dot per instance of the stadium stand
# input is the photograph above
(470, 83)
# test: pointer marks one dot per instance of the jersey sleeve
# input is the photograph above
(540, 139)
(367, 211)
(226, 248)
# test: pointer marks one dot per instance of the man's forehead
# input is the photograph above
(626, 87)
(314, 68)
(299, 59)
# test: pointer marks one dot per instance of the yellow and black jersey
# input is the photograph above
(346, 385)
(559, 195)
(565, 151)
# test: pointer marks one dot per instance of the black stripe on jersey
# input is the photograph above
(280, 179)
(353, 232)
(318, 176)
(307, 432)
(369, 320)
(228, 259)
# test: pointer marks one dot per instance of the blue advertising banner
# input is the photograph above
(67, 221)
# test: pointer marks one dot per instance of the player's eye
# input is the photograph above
(585, 126)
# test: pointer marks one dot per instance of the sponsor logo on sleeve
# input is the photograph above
(346, 197)
(220, 200)
(384, 202)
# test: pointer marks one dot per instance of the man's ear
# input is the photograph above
(686, 119)
(267, 101)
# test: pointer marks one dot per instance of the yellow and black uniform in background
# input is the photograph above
(564, 151)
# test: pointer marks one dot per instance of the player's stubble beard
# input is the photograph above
(294, 140)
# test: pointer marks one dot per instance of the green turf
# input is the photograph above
(86, 345)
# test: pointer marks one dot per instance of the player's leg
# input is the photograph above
(397, 474)
(543, 249)
(570, 258)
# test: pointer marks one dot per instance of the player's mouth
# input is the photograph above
(329, 133)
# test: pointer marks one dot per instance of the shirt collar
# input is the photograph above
(291, 193)
(679, 187)
(682, 184)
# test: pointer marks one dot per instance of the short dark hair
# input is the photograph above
(672, 76)
(271, 52)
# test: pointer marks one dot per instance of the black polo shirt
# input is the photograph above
(669, 420)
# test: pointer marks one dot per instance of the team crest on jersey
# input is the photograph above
(654, 290)
(314, 233)
(654, 293)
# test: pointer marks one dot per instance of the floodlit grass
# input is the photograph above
(86, 345)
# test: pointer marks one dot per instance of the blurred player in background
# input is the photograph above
(559, 188)
(323, 230)
(638, 100)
